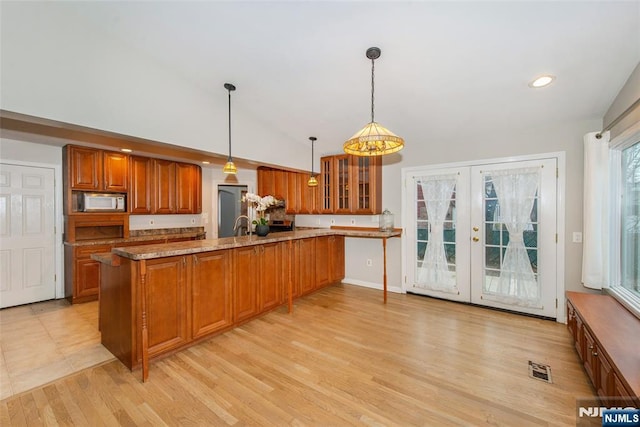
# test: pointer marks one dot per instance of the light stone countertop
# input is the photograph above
(137, 253)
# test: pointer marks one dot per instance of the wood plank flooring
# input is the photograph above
(342, 358)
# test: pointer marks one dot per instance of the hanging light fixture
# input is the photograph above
(313, 182)
(373, 139)
(229, 167)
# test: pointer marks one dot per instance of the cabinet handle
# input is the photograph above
(195, 259)
(591, 347)
(184, 261)
(595, 354)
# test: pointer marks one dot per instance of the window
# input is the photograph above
(625, 243)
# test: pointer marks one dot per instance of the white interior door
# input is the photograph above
(27, 235)
(484, 234)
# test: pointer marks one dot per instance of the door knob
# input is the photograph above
(475, 239)
(475, 228)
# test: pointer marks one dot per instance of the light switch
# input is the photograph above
(577, 237)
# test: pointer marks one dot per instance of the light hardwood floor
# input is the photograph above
(342, 358)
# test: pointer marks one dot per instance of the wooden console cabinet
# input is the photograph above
(606, 339)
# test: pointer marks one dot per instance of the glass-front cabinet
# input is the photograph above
(351, 185)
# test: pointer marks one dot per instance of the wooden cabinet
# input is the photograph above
(166, 283)
(272, 275)
(245, 268)
(304, 268)
(211, 292)
(292, 200)
(259, 279)
(329, 260)
(82, 274)
(164, 192)
(307, 195)
(336, 258)
(90, 169)
(601, 328)
(350, 185)
(141, 188)
(188, 190)
(291, 187)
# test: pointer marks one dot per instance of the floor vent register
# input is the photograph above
(540, 372)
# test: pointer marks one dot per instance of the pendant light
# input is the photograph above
(313, 182)
(229, 167)
(373, 139)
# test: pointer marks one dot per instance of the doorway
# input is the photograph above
(27, 235)
(484, 234)
(230, 206)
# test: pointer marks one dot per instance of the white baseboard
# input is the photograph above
(373, 285)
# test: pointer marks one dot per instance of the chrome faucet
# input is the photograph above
(235, 225)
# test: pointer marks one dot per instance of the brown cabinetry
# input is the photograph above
(166, 283)
(245, 267)
(82, 274)
(164, 191)
(304, 268)
(350, 185)
(211, 292)
(90, 169)
(291, 187)
(141, 188)
(177, 188)
(600, 327)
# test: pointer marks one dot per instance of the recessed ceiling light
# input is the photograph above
(542, 81)
(204, 162)
(126, 150)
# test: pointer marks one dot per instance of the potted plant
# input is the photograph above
(260, 204)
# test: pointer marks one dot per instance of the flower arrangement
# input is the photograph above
(260, 204)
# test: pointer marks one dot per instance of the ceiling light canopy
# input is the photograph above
(229, 167)
(542, 81)
(374, 139)
(313, 182)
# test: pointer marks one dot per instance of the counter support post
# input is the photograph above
(384, 263)
(290, 272)
(145, 331)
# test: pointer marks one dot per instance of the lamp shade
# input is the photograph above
(373, 140)
(230, 167)
(312, 182)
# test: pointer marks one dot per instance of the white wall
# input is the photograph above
(56, 66)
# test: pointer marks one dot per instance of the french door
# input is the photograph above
(484, 234)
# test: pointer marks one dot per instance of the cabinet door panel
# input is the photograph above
(308, 195)
(366, 187)
(293, 196)
(116, 171)
(305, 265)
(141, 188)
(245, 282)
(266, 183)
(325, 185)
(211, 292)
(85, 166)
(185, 188)
(323, 263)
(342, 185)
(590, 358)
(271, 275)
(165, 187)
(87, 277)
(336, 258)
(166, 304)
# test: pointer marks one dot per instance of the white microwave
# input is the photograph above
(101, 202)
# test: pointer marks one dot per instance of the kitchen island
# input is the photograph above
(156, 299)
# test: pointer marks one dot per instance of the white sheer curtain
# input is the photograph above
(516, 192)
(434, 273)
(595, 248)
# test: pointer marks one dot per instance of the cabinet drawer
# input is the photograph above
(86, 251)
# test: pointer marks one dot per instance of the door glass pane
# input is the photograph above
(436, 233)
(510, 203)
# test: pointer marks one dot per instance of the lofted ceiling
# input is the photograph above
(447, 70)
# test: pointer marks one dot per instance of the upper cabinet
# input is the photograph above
(350, 185)
(91, 169)
(152, 186)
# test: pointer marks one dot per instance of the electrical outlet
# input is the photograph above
(333, 221)
(150, 222)
(193, 220)
(353, 221)
(577, 237)
(369, 262)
